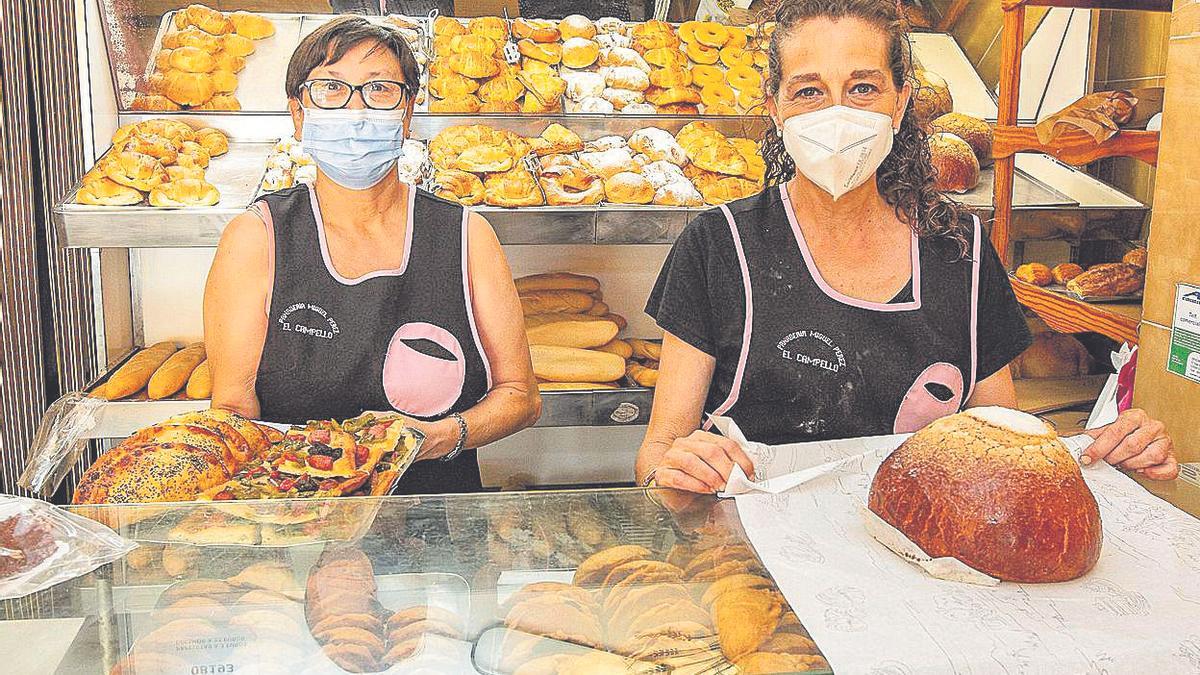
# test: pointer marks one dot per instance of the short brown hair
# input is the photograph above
(329, 43)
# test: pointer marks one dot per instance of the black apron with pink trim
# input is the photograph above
(402, 339)
(818, 365)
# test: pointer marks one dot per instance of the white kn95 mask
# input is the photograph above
(838, 148)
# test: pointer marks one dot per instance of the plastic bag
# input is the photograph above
(59, 442)
(42, 545)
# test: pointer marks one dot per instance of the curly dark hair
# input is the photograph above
(906, 178)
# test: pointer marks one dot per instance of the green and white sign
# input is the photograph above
(1184, 357)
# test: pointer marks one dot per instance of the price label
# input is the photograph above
(1183, 358)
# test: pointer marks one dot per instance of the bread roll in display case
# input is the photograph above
(155, 259)
(497, 583)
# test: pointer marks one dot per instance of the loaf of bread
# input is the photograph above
(557, 281)
(174, 373)
(1136, 257)
(549, 302)
(137, 371)
(996, 489)
(569, 330)
(931, 97)
(646, 377)
(1108, 279)
(976, 132)
(199, 385)
(617, 319)
(568, 364)
(619, 347)
(1053, 355)
(1065, 272)
(954, 162)
(1035, 273)
(646, 350)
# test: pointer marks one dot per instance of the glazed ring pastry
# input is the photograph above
(458, 186)
(107, 192)
(687, 31)
(761, 60)
(703, 76)
(474, 64)
(714, 94)
(702, 54)
(444, 25)
(665, 57)
(737, 37)
(230, 61)
(153, 103)
(580, 52)
(177, 172)
(237, 45)
(671, 77)
(732, 57)
(500, 107)
(135, 170)
(752, 99)
(215, 142)
(157, 147)
(501, 89)
(251, 25)
(192, 60)
(743, 78)
(466, 103)
(186, 192)
(546, 53)
(536, 30)
(473, 43)
(711, 34)
(491, 26)
(446, 86)
(224, 82)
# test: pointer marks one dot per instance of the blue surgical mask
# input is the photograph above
(354, 148)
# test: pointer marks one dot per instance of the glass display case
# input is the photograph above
(623, 580)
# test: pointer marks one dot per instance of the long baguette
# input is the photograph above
(617, 319)
(557, 281)
(647, 377)
(644, 349)
(136, 372)
(546, 302)
(173, 374)
(569, 330)
(199, 385)
(619, 347)
(568, 364)
(600, 309)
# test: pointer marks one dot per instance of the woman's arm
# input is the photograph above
(513, 403)
(995, 389)
(235, 313)
(676, 451)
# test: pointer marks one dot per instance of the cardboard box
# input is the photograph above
(1169, 397)
(486, 8)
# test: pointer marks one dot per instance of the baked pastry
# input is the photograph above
(668, 78)
(1064, 272)
(185, 192)
(135, 170)
(513, 188)
(577, 25)
(756, 168)
(583, 85)
(544, 88)
(607, 163)
(550, 53)
(538, 30)
(976, 132)
(251, 26)
(626, 77)
(1136, 257)
(629, 187)
(727, 189)
(744, 78)
(224, 82)
(155, 146)
(1053, 355)
(703, 55)
(230, 62)
(465, 103)
(672, 96)
(623, 56)
(954, 163)
(665, 57)
(653, 34)
(188, 37)
(187, 88)
(735, 57)
(610, 25)
(153, 103)
(149, 473)
(459, 186)
(658, 144)
(505, 89)
(448, 26)
(1035, 273)
(610, 40)
(471, 42)
(205, 18)
(107, 192)
(594, 105)
(492, 26)
(1108, 279)
(237, 45)
(169, 129)
(677, 193)
(578, 52)
(474, 64)
(719, 94)
(996, 489)
(716, 154)
(221, 102)
(214, 142)
(620, 98)
(744, 619)
(499, 107)
(774, 662)
(556, 140)
(192, 153)
(931, 97)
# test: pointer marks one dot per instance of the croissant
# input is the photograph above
(556, 140)
(671, 77)
(459, 186)
(169, 129)
(192, 60)
(205, 18)
(221, 102)
(447, 26)
(153, 103)
(191, 37)
(491, 26)
(665, 57)
(177, 172)
(465, 103)
(484, 159)
(237, 45)
(727, 189)
(230, 62)
(661, 97)
(699, 177)
(213, 141)
(185, 192)
(446, 86)
(531, 104)
(107, 192)
(505, 89)
(537, 30)
(253, 26)
(224, 82)
(569, 174)
(134, 170)
(157, 147)
(187, 88)
(535, 67)
(474, 64)
(192, 153)
(546, 52)
(461, 44)
(500, 107)
(756, 168)
(512, 189)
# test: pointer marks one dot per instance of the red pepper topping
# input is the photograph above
(288, 484)
(223, 495)
(328, 484)
(361, 454)
(320, 462)
(320, 436)
(276, 475)
(289, 456)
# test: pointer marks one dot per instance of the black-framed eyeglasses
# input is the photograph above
(331, 94)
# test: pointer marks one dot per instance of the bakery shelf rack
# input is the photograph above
(1076, 148)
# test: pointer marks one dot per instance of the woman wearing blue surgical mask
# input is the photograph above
(849, 298)
(361, 292)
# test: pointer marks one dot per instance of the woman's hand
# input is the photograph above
(440, 438)
(701, 462)
(1135, 442)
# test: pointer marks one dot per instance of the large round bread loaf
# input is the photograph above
(996, 489)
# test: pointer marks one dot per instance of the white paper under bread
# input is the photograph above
(871, 611)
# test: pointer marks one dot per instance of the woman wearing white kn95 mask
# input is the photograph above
(849, 298)
(362, 292)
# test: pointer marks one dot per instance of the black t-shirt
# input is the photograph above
(701, 297)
